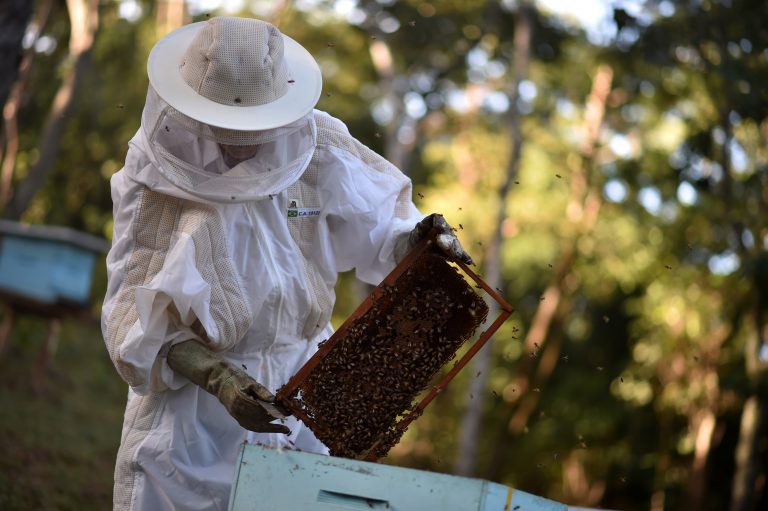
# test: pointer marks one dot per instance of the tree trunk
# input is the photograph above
(84, 21)
(577, 488)
(169, 15)
(704, 422)
(466, 457)
(703, 418)
(750, 453)
(12, 107)
(754, 422)
(540, 359)
(395, 152)
(14, 17)
(278, 10)
(659, 494)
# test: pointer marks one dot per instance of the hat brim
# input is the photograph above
(302, 95)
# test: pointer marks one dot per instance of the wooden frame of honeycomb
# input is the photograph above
(357, 393)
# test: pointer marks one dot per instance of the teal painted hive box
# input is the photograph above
(270, 479)
(45, 266)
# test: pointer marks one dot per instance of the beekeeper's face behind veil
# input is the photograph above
(229, 109)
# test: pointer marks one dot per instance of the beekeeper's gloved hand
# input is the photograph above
(446, 239)
(246, 400)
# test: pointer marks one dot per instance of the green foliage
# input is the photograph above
(663, 297)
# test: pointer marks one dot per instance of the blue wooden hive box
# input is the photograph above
(271, 479)
(47, 267)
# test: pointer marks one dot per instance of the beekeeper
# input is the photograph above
(237, 207)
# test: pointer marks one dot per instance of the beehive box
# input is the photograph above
(47, 266)
(359, 392)
(268, 479)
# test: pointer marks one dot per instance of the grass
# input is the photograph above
(59, 433)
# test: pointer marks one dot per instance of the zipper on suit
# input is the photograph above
(277, 275)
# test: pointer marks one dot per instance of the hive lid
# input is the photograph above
(55, 233)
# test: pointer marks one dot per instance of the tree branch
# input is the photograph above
(83, 16)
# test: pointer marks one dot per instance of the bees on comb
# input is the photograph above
(379, 363)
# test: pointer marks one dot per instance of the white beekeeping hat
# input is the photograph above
(235, 73)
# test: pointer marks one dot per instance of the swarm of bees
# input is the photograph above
(379, 363)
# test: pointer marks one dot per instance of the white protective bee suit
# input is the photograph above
(242, 258)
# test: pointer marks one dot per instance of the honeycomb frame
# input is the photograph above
(358, 392)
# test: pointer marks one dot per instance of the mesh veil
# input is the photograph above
(189, 154)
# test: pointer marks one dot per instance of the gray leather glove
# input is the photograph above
(246, 400)
(446, 239)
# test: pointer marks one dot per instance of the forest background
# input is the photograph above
(607, 169)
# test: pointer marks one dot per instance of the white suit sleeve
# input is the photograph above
(168, 282)
(367, 207)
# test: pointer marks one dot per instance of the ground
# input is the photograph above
(59, 432)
